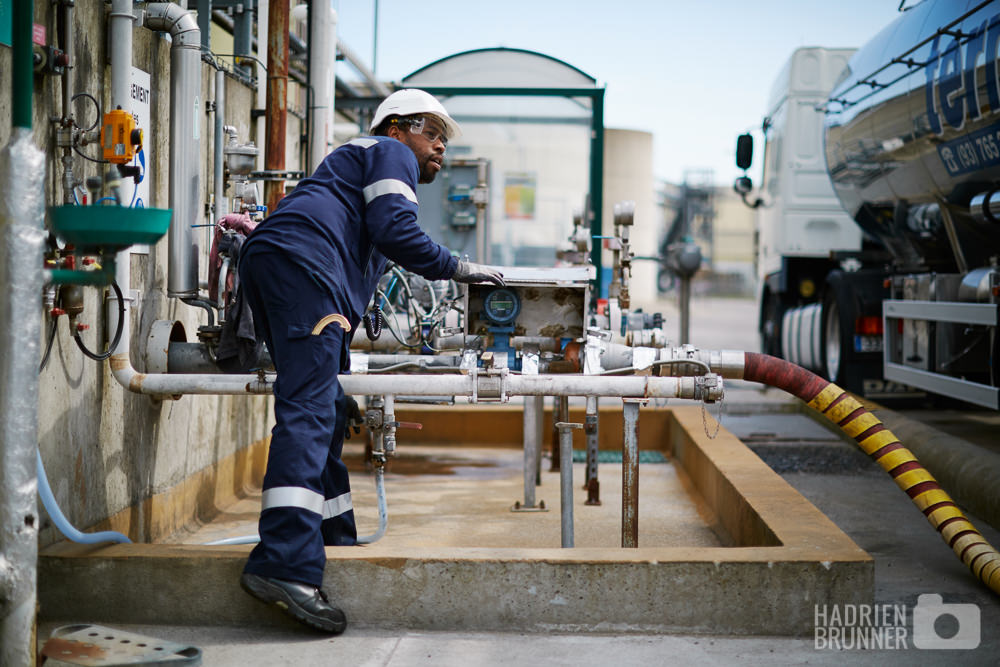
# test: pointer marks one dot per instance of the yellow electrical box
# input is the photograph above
(120, 137)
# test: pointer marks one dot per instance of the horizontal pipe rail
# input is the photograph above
(477, 386)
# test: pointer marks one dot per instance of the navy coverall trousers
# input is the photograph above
(307, 495)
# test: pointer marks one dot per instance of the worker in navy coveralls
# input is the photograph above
(309, 271)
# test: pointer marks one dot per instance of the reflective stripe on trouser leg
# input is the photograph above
(339, 528)
(307, 396)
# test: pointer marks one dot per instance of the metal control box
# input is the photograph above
(537, 303)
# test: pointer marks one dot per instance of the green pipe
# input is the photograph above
(597, 190)
(103, 276)
(22, 83)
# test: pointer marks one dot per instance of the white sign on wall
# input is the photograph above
(138, 194)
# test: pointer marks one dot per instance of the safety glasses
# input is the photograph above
(431, 133)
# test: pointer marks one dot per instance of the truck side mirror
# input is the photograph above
(743, 186)
(744, 151)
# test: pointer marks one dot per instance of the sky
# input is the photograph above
(694, 73)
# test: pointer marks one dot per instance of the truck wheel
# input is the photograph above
(770, 326)
(833, 346)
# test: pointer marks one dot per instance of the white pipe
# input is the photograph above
(479, 386)
(185, 139)
(218, 173)
(120, 31)
(120, 38)
(322, 28)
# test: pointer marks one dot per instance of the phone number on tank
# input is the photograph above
(973, 152)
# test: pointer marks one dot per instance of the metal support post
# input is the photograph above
(685, 310)
(534, 410)
(590, 427)
(630, 474)
(566, 480)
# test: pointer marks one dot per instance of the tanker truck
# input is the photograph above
(878, 210)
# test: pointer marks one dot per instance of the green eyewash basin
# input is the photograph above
(108, 226)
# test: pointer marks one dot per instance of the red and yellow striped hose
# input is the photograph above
(879, 443)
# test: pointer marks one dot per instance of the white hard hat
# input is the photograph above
(410, 101)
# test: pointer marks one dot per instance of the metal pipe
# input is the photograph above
(22, 212)
(566, 480)
(533, 415)
(322, 34)
(985, 207)
(67, 122)
(630, 475)
(477, 386)
(221, 206)
(482, 197)
(263, 10)
(684, 296)
(277, 99)
(185, 135)
(377, 86)
(120, 26)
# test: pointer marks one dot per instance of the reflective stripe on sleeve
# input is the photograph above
(292, 496)
(364, 142)
(337, 506)
(389, 186)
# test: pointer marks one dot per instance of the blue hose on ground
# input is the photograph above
(63, 524)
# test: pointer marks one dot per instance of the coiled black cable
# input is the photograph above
(118, 330)
(373, 323)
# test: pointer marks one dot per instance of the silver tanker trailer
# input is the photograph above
(879, 207)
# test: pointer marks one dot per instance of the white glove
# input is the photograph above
(470, 272)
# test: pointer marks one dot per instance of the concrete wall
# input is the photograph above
(108, 451)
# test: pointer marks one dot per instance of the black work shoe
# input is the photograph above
(303, 602)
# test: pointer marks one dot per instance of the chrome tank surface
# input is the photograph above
(915, 125)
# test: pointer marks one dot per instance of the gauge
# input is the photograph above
(501, 306)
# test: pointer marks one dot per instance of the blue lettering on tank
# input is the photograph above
(951, 92)
(950, 86)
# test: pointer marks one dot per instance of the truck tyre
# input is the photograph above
(772, 313)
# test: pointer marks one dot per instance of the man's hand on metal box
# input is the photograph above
(470, 272)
